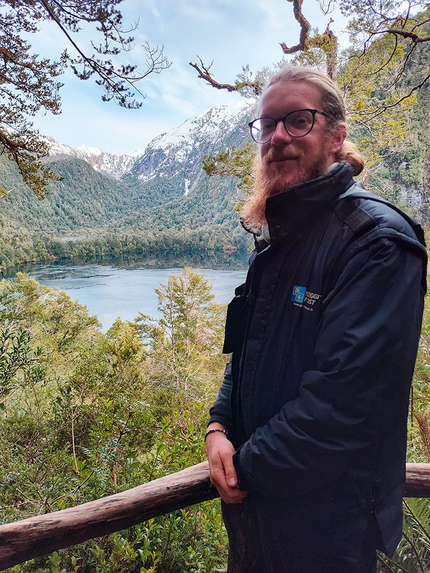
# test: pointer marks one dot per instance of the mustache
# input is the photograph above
(275, 155)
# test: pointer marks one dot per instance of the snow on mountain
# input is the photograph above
(109, 164)
(177, 153)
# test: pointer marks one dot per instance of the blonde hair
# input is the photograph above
(332, 102)
(331, 96)
(350, 154)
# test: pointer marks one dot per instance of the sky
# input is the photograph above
(229, 33)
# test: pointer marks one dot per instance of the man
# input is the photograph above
(306, 441)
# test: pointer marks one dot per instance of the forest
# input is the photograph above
(86, 413)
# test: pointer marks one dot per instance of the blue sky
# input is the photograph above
(231, 33)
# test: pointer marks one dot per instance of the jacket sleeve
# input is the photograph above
(221, 410)
(353, 400)
(236, 315)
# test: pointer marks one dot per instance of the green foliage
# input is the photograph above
(19, 363)
(94, 413)
(413, 552)
(371, 96)
(91, 215)
(184, 343)
(249, 83)
(232, 162)
(30, 82)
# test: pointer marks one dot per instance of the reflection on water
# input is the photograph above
(221, 261)
(123, 288)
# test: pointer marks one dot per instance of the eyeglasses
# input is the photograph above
(297, 123)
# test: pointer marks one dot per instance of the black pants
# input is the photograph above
(287, 538)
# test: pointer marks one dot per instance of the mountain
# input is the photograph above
(156, 198)
(109, 164)
(182, 148)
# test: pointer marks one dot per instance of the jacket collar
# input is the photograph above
(291, 212)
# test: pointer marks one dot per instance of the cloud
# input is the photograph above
(229, 33)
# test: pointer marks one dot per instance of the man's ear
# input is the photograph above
(338, 137)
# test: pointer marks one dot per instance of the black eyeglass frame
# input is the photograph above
(284, 121)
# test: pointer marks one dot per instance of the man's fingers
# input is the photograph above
(224, 478)
(233, 495)
(222, 471)
(230, 472)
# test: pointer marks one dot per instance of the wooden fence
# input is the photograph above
(44, 534)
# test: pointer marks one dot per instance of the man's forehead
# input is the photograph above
(287, 93)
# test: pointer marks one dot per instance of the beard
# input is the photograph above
(274, 178)
(267, 184)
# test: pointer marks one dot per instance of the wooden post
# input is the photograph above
(44, 534)
(417, 480)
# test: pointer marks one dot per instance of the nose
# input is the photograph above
(280, 136)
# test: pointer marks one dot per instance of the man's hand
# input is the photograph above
(222, 473)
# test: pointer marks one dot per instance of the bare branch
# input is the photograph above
(203, 72)
(305, 28)
(411, 35)
(420, 24)
(326, 41)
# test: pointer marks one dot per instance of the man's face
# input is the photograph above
(287, 160)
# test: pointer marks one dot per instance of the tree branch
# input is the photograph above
(411, 35)
(305, 28)
(203, 72)
(326, 41)
(43, 534)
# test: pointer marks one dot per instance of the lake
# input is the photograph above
(110, 291)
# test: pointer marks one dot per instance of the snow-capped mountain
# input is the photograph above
(179, 152)
(176, 153)
(109, 164)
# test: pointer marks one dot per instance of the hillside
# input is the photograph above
(403, 176)
(159, 199)
(155, 199)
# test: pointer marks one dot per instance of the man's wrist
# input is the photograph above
(216, 428)
(215, 431)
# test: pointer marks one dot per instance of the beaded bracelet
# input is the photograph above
(213, 430)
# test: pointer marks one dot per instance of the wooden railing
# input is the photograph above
(44, 534)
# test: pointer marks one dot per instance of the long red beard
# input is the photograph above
(253, 213)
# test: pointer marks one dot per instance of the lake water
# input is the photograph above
(110, 292)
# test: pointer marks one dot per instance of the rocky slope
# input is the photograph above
(178, 151)
(109, 164)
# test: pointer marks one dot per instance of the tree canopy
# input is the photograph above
(30, 83)
(387, 39)
(405, 23)
(384, 37)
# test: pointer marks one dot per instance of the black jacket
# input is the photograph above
(323, 336)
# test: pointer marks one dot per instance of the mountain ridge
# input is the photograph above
(110, 164)
(160, 199)
(156, 198)
(189, 141)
